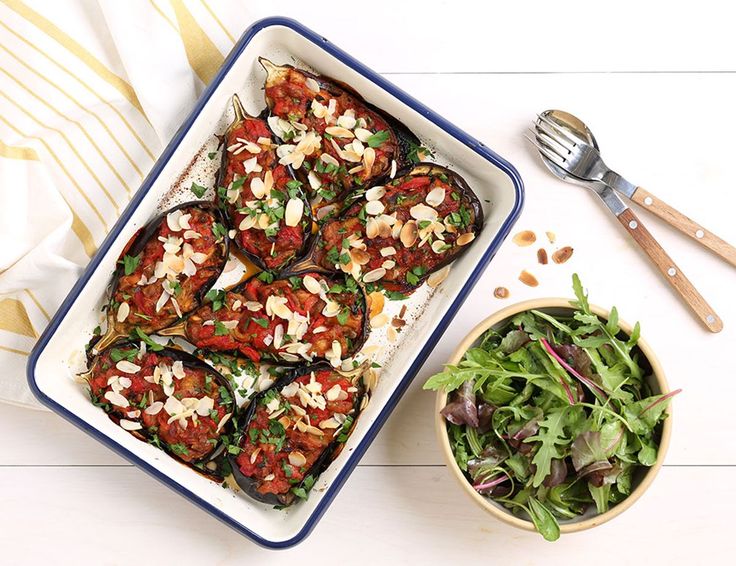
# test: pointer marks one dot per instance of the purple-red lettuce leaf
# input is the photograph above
(461, 409)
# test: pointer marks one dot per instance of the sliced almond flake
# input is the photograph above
(355, 170)
(269, 477)
(362, 134)
(388, 264)
(329, 159)
(234, 146)
(116, 399)
(346, 121)
(278, 336)
(423, 212)
(393, 169)
(464, 239)
(374, 207)
(374, 275)
(438, 277)
(254, 455)
(369, 158)
(339, 132)
(319, 330)
(388, 251)
(391, 334)
(314, 181)
(331, 309)
(240, 150)
(177, 309)
(435, 197)
(154, 408)
(127, 367)
(380, 320)
(125, 382)
(249, 165)
(252, 148)
(294, 212)
(375, 193)
(333, 393)
(409, 234)
(130, 425)
(253, 306)
(297, 459)
(162, 300)
(222, 422)
(312, 84)
(123, 312)
(311, 285)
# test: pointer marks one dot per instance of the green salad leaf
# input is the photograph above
(551, 415)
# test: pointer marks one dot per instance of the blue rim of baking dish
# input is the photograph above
(419, 360)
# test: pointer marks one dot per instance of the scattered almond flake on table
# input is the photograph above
(542, 256)
(501, 292)
(525, 238)
(528, 279)
(562, 255)
(552, 237)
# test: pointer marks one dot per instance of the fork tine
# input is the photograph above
(552, 145)
(555, 136)
(552, 156)
(564, 131)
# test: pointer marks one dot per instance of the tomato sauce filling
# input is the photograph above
(272, 240)
(139, 391)
(284, 320)
(292, 99)
(176, 261)
(406, 230)
(291, 428)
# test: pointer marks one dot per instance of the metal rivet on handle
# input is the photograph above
(671, 272)
(648, 201)
(633, 224)
(699, 234)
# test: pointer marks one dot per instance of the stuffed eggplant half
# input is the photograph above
(292, 431)
(166, 269)
(302, 317)
(395, 235)
(166, 397)
(266, 207)
(332, 139)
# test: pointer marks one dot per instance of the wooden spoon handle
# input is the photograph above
(685, 225)
(671, 272)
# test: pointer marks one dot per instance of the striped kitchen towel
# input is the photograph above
(90, 92)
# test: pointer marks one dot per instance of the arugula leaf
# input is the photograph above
(551, 437)
(544, 520)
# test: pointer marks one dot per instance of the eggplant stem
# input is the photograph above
(176, 330)
(240, 113)
(110, 337)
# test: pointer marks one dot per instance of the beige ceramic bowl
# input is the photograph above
(591, 519)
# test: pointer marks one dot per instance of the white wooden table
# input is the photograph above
(64, 499)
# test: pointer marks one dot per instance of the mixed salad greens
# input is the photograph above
(550, 415)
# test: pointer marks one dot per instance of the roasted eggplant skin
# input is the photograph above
(293, 440)
(396, 235)
(265, 205)
(332, 138)
(247, 319)
(142, 298)
(138, 404)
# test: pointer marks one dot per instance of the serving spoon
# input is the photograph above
(552, 126)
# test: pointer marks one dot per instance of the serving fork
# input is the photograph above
(574, 159)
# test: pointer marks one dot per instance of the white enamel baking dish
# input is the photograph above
(57, 355)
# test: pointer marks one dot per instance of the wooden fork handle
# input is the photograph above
(671, 272)
(685, 225)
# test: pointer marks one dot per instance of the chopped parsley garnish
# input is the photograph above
(179, 449)
(131, 262)
(219, 231)
(116, 354)
(378, 138)
(342, 316)
(198, 189)
(216, 297)
(221, 329)
(153, 346)
(266, 276)
(412, 277)
(262, 322)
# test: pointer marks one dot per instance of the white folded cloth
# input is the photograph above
(90, 92)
